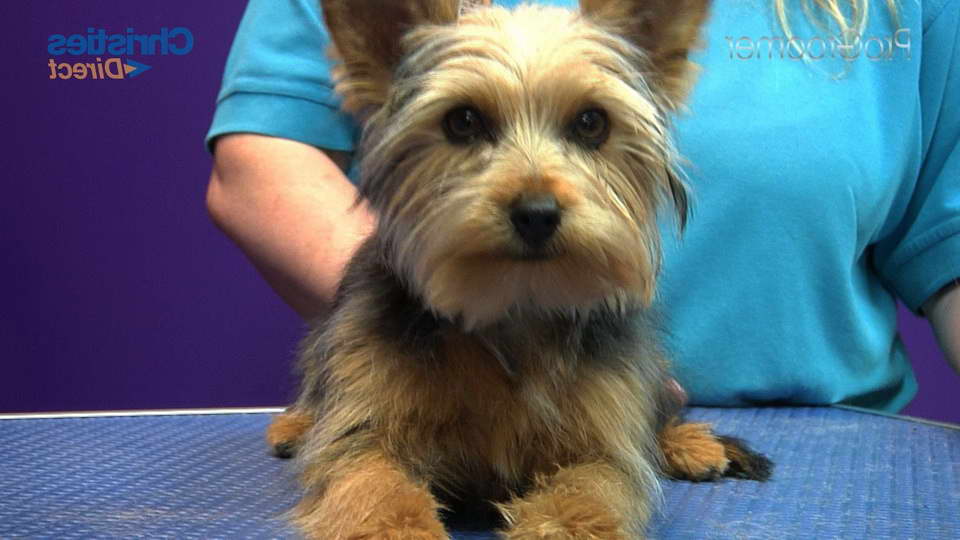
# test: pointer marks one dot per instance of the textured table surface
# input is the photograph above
(839, 474)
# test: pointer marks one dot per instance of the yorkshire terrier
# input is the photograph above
(491, 339)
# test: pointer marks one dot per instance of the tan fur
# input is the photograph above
(289, 428)
(368, 34)
(692, 452)
(449, 415)
(463, 425)
(530, 71)
(588, 501)
(456, 364)
(370, 498)
(669, 45)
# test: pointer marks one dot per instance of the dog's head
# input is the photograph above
(517, 159)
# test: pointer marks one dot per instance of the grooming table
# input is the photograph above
(840, 473)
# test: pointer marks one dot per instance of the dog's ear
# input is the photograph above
(666, 29)
(367, 38)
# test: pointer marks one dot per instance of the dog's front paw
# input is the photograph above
(286, 432)
(568, 523)
(409, 519)
(744, 462)
(586, 502)
(366, 496)
(565, 522)
(693, 452)
(412, 526)
(401, 533)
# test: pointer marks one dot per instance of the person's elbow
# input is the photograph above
(943, 312)
(225, 189)
(215, 200)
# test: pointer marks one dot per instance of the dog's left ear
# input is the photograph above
(367, 37)
(666, 29)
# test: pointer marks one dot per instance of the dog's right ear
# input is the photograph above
(367, 40)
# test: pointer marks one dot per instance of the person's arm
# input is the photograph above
(943, 312)
(292, 211)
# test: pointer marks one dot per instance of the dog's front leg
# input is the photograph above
(366, 496)
(287, 431)
(590, 501)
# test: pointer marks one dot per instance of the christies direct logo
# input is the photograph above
(100, 55)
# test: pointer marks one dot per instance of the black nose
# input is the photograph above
(535, 219)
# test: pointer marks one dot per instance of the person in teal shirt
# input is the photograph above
(825, 173)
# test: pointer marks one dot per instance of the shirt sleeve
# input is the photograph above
(923, 253)
(277, 79)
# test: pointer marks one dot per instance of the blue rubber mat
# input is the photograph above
(839, 474)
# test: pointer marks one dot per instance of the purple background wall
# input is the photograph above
(116, 291)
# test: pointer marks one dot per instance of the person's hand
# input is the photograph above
(292, 211)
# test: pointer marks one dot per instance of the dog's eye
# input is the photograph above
(591, 127)
(464, 125)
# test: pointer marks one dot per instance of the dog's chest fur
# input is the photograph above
(490, 407)
(484, 411)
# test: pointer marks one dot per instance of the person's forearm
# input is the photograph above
(291, 210)
(943, 311)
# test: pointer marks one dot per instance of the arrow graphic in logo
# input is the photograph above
(133, 68)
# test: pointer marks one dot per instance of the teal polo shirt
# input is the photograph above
(818, 201)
